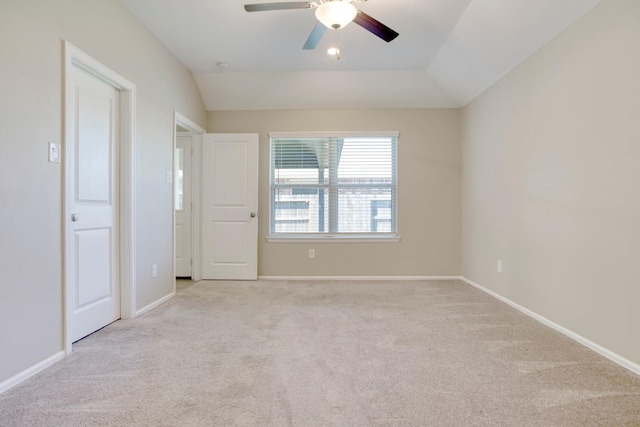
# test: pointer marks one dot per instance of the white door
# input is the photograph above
(183, 204)
(229, 206)
(92, 186)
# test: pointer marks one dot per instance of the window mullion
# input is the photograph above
(320, 200)
(333, 186)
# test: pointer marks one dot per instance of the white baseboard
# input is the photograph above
(29, 372)
(155, 304)
(615, 357)
(372, 278)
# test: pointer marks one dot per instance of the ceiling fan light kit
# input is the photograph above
(336, 14)
(334, 51)
(332, 14)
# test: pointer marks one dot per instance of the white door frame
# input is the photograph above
(126, 164)
(196, 167)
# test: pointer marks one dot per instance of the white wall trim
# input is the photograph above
(625, 363)
(188, 124)
(29, 372)
(155, 304)
(339, 134)
(75, 57)
(372, 278)
(128, 202)
(332, 238)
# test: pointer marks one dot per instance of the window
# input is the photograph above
(338, 185)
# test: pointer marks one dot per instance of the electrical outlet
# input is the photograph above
(312, 253)
(154, 270)
(499, 266)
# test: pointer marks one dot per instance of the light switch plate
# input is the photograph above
(168, 176)
(54, 152)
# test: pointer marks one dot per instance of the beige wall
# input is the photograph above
(31, 114)
(551, 180)
(428, 192)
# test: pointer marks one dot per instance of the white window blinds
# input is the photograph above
(342, 185)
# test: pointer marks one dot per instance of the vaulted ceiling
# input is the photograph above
(448, 51)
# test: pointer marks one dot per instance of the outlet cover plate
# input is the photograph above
(54, 152)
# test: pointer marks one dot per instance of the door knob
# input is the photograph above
(253, 214)
(74, 217)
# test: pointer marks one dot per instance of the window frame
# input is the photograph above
(328, 237)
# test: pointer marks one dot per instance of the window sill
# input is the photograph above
(333, 238)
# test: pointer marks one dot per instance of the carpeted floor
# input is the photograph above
(327, 354)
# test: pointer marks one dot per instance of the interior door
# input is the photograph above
(183, 204)
(92, 182)
(229, 206)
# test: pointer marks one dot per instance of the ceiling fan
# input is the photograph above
(332, 14)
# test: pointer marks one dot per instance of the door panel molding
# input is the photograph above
(74, 57)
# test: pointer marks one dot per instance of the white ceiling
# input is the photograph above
(448, 51)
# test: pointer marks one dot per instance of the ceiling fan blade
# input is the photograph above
(374, 26)
(261, 7)
(315, 36)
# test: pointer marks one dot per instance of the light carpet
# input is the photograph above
(409, 353)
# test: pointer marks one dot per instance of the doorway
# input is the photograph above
(182, 203)
(186, 220)
(226, 156)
